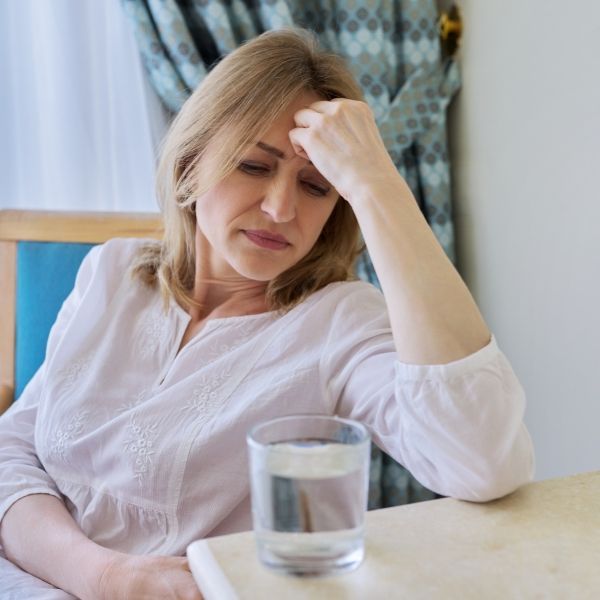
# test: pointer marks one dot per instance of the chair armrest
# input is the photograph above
(7, 394)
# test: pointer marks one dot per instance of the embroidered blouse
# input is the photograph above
(146, 445)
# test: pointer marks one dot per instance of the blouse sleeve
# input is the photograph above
(21, 472)
(457, 427)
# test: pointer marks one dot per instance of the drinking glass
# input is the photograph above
(309, 479)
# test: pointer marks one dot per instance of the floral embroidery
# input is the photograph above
(243, 331)
(63, 436)
(138, 399)
(153, 331)
(140, 444)
(205, 399)
(74, 371)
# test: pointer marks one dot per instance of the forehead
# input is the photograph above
(276, 135)
(303, 100)
(278, 132)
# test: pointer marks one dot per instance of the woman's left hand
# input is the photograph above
(433, 315)
(340, 137)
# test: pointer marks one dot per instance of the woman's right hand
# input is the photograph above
(129, 577)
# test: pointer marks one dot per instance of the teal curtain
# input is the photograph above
(393, 48)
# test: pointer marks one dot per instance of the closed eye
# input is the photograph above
(262, 170)
(316, 190)
(253, 168)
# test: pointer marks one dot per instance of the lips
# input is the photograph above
(266, 239)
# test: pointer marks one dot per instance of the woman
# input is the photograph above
(129, 442)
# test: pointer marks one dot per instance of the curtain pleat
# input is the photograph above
(79, 119)
(152, 33)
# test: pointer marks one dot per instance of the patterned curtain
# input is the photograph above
(393, 48)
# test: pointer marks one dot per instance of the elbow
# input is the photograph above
(497, 475)
(495, 484)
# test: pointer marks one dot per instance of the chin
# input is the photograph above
(259, 272)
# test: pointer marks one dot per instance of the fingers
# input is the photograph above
(307, 120)
(298, 138)
(340, 111)
(332, 107)
(313, 114)
(307, 117)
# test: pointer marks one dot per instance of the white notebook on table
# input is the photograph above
(209, 576)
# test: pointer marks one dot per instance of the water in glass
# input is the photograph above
(309, 500)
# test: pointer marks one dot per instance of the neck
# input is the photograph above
(224, 298)
(221, 292)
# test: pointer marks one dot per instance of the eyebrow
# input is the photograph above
(274, 151)
(270, 149)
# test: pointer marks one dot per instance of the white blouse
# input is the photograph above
(146, 446)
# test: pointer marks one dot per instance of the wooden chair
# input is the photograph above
(55, 242)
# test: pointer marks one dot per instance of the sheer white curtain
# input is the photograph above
(79, 122)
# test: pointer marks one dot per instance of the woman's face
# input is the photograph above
(267, 215)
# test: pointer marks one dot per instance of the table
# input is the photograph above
(543, 541)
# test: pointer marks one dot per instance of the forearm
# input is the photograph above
(39, 535)
(433, 315)
(434, 318)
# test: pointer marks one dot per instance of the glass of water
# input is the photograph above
(309, 479)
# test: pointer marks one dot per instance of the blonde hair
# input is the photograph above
(243, 96)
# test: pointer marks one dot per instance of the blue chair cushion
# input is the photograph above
(45, 275)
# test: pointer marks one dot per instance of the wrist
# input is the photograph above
(96, 569)
(378, 189)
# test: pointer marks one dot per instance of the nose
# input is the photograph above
(279, 200)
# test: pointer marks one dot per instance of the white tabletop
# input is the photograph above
(543, 541)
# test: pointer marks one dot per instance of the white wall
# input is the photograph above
(526, 163)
